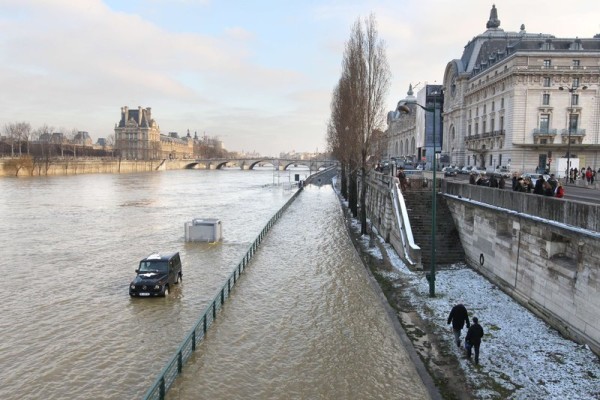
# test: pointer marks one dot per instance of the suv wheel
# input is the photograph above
(166, 290)
(178, 281)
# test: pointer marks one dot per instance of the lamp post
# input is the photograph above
(431, 277)
(571, 91)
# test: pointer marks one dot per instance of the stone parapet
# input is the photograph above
(550, 267)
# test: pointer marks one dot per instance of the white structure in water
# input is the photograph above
(203, 230)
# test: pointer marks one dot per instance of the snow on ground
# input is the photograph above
(523, 356)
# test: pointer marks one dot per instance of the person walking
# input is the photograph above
(553, 182)
(402, 178)
(501, 183)
(539, 185)
(493, 182)
(560, 191)
(473, 339)
(458, 317)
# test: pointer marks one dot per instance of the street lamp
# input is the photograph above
(431, 277)
(572, 91)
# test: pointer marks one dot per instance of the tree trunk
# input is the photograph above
(344, 181)
(352, 194)
(363, 194)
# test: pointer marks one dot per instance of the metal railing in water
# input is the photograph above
(174, 367)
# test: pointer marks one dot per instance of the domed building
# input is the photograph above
(522, 100)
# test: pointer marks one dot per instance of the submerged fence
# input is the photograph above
(174, 367)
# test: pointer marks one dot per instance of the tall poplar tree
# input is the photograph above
(367, 73)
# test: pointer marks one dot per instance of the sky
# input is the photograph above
(521, 356)
(256, 74)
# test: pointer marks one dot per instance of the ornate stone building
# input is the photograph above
(138, 137)
(527, 101)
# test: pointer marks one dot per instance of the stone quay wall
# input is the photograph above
(544, 252)
(76, 166)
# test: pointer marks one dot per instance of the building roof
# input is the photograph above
(495, 44)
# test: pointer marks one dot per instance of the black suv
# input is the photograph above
(156, 274)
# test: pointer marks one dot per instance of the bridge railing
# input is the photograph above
(174, 366)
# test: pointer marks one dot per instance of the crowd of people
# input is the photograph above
(588, 174)
(551, 187)
(547, 187)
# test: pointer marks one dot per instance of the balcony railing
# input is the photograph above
(484, 135)
(574, 132)
(544, 132)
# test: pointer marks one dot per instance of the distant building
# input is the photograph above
(82, 138)
(137, 136)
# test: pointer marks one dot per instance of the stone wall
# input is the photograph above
(548, 265)
(88, 166)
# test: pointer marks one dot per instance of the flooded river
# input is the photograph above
(303, 322)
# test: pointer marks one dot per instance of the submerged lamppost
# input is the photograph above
(431, 277)
(572, 91)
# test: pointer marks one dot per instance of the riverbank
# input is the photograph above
(521, 356)
(28, 166)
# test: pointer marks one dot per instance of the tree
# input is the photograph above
(365, 82)
(44, 137)
(110, 143)
(342, 144)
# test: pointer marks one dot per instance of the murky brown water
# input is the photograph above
(69, 249)
(302, 323)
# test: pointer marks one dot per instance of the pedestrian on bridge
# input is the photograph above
(458, 317)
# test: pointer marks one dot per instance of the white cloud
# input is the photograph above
(76, 63)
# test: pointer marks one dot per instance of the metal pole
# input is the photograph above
(433, 213)
(569, 138)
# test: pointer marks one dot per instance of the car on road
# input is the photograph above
(502, 171)
(450, 171)
(156, 275)
(478, 170)
(466, 170)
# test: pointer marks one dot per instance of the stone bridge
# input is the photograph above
(281, 164)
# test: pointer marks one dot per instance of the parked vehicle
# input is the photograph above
(466, 170)
(156, 275)
(478, 170)
(450, 171)
(502, 171)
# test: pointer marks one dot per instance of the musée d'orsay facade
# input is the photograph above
(527, 101)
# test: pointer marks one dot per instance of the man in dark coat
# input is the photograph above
(539, 185)
(473, 339)
(458, 316)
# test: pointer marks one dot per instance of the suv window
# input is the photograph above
(154, 265)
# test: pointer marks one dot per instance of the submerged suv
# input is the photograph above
(156, 275)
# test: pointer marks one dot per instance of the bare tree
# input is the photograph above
(44, 137)
(341, 141)
(365, 65)
(10, 130)
(71, 136)
(110, 143)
